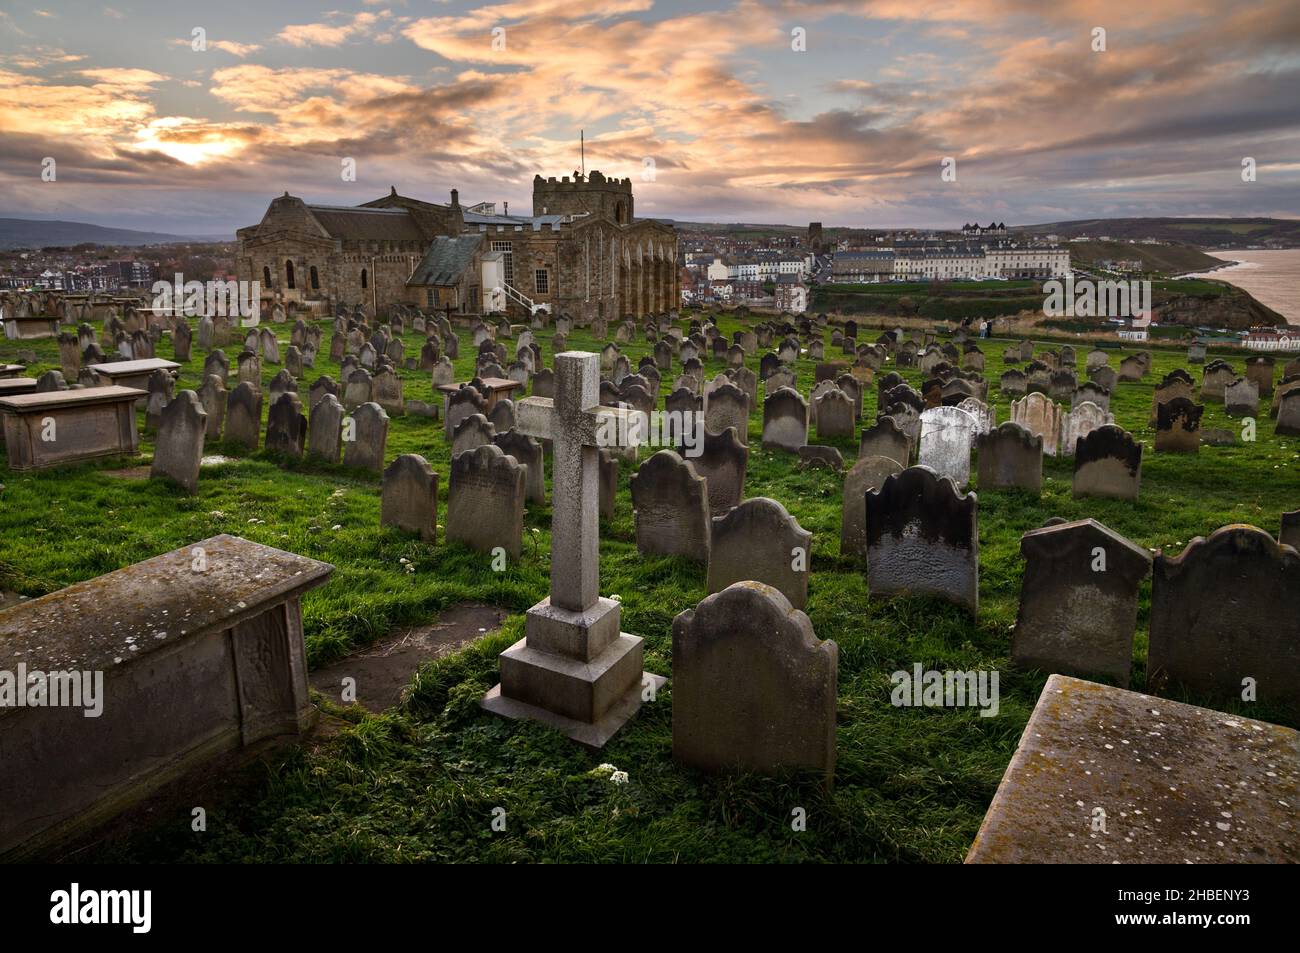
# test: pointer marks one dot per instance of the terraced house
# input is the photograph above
(581, 252)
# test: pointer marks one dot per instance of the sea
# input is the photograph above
(1272, 276)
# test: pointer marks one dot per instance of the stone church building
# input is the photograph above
(580, 252)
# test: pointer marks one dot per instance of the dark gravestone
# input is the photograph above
(409, 498)
(722, 462)
(1108, 462)
(1225, 619)
(759, 540)
(671, 504)
(868, 473)
(922, 539)
(244, 416)
(1079, 601)
(753, 687)
(1178, 426)
(286, 426)
(325, 428)
(179, 446)
(485, 505)
(528, 452)
(1010, 457)
(213, 397)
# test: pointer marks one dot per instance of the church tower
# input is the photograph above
(592, 195)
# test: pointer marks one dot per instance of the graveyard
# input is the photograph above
(419, 781)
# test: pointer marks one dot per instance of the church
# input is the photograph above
(581, 252)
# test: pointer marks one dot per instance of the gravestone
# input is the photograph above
(244, 416)
(463, 403)
(722, 463)
(1177, 384)
(1287, 386)
(324, 385)
(386, 391)
(179, 445)
(922, 539)
(368, 429)
(945, 446)
(282, 383)
(161, 385)
(485, 504)
(1010, 458)
(325, 428)
(785, 420)
(574, 669)
(1093, 393)
(1241, 398)
(1039, 415)
(758, 540)
(472, 432)
(213, 397)
(218, 365)
(727, 406)
(1108, 463)
(1225, 611)
(443, 373)
(1105, 376)
(1289, 534)
(409, 497)
(543, 383)
(753, 687)
(671, 506)
(286, 426)
(834, 414)
(1079, 601)
(1013, 382)
(1259, 370)
(502, 415)
(885, 438)
(1214, 379)
(1131, 369)
(867, 474)
(1178, 426)
(357, 389)
(1079, 422)
(1172, 770)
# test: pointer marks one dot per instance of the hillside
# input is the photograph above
(1168, 259)
(32, 233)
(1202, 232)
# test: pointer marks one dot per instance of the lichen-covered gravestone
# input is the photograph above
(753, 687)
(409, 497)
(1079, 600)
(867, 474)
(1040, 415)
(1010, 457)
(671, 505)
(727, 406)
(179, 446)
(1178, 426)
(212, 395)
(574, 669)
(1169, 783)
(1108, 462)
(760, 540)
(833, 411)
(946, 441)
(1080, 421)
(473, 431)
(923, 539)
(785, 420)
(485, 501)
(1225, 619)
(885, 438)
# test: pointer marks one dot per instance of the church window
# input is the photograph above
(541, 282)
(507, 259)
(365, 278)
(266, 275)
(315, 278)
(288, 275)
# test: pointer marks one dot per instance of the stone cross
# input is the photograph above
(574, 669)
(579, 428)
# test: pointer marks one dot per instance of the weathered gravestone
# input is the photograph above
(1241, 398)
(722, 463)
(474, 431)
(1039, 415)
(1079, 601)
(1225, 619)
(213, 397)
(868, 473)
(885, 438)
(753, 687)
(463, 403)
(574, 669)
(759, 540)
(409, 498)
(785, 420)
(1178, 426)
(1108, 463)
(1259, 370)
(726, 405)
(325, 428)
(527, 452)
(1105, 376)
(1214, 379)
(286, 426)
(365, 434)
(1289, 535)
(244, 416)
(671, 506)
(1010, 457)
(946, 434)
(833, 411)
(922, 539)
(1080, 421)
(485, 503)
(179, 446)
(1178, 784)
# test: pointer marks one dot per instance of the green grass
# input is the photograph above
(420, 783)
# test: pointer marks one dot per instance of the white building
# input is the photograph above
(1271, 339)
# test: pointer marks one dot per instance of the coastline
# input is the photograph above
(1269, 276)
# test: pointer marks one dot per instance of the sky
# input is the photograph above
(188, 117)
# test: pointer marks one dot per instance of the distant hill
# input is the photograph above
(1169, 259)
(33, 233)
(1202, 232)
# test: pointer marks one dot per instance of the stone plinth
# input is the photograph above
(200, 652)
(28, 329)
(1172, 784)
(132, 373)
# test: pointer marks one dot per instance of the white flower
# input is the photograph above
(618, 777)
(604, 769)
(337, 526)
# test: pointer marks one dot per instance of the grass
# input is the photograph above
(420, 783)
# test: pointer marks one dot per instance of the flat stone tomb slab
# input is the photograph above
(1177, 784)
(30, 328)
(10, 370)
(494, 388)
(200, 652)
(57, 427)
(133, 373)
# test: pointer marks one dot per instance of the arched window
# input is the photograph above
(315, 278)
(288, 275)
(365, 279)
(266, 275)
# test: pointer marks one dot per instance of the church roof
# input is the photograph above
(533, 221)
(369, 224)
(446, 260)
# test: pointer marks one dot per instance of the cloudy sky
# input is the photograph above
(710, 100)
